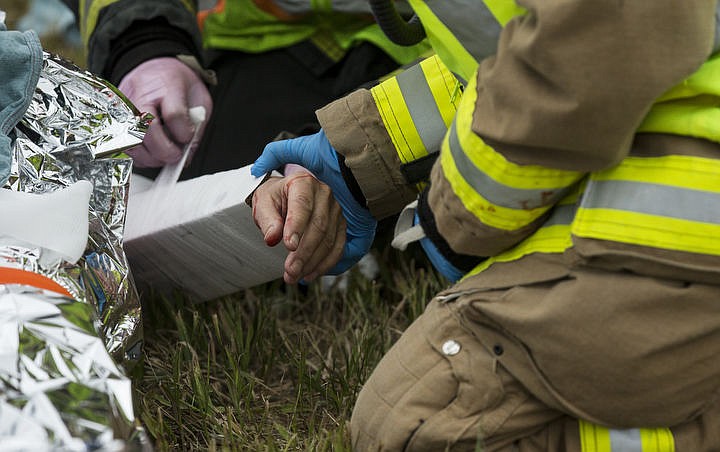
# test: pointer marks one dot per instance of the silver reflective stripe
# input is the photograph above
(495, 192)
(653, 199)
(561, 214)
(625, 440)
(422, 107)
(471, 22)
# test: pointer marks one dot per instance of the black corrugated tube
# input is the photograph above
(394, 26)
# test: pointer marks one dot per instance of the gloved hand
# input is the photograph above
(438, 261)
(315, 153)
(166, 88)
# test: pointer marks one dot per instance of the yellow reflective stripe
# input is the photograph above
(504, 10)
(689, 108)
(695, 117)
(454, 55)
(703, 81)
(443, 86)
(548, 239)
(593, 438)
(92, 11)
(491, 214)
(435, 98)
(675, 205)
(695, 173)
(647, 230)
(397, 120)
(500, 172)
(657, 440)
(553, 237)
(494, 164)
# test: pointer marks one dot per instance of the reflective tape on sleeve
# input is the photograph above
(416, 107)
(464, 32)
(498, 192)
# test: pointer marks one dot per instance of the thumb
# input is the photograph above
(272, 157)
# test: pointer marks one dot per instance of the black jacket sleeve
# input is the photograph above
(124, 33)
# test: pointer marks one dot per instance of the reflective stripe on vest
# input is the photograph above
(594, 438)
(501, 194)
(670, 202)
(417, 106)
(463, 32)
(689, 108)
(257, 26)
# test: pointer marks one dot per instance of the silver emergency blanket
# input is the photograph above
(62, 382)
(61, 390)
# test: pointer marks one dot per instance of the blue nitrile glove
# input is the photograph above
(441, 264)
(316, 154)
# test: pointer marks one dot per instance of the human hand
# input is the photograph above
(166, 88)
(315, 153)
(301, 211)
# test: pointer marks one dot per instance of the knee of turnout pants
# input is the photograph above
(439, 388)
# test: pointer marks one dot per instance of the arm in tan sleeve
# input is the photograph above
(564, 95)
(390, 135)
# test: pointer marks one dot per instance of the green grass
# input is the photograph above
(272, 368)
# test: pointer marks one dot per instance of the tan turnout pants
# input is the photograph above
(439, 388)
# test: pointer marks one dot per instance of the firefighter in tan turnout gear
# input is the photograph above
(574, 194)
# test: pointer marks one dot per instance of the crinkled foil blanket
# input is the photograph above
(65, 363)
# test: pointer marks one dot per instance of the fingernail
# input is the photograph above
(294, 240)
(296, 267)
(268, 232)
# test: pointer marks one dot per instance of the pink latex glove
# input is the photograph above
(166, 88)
